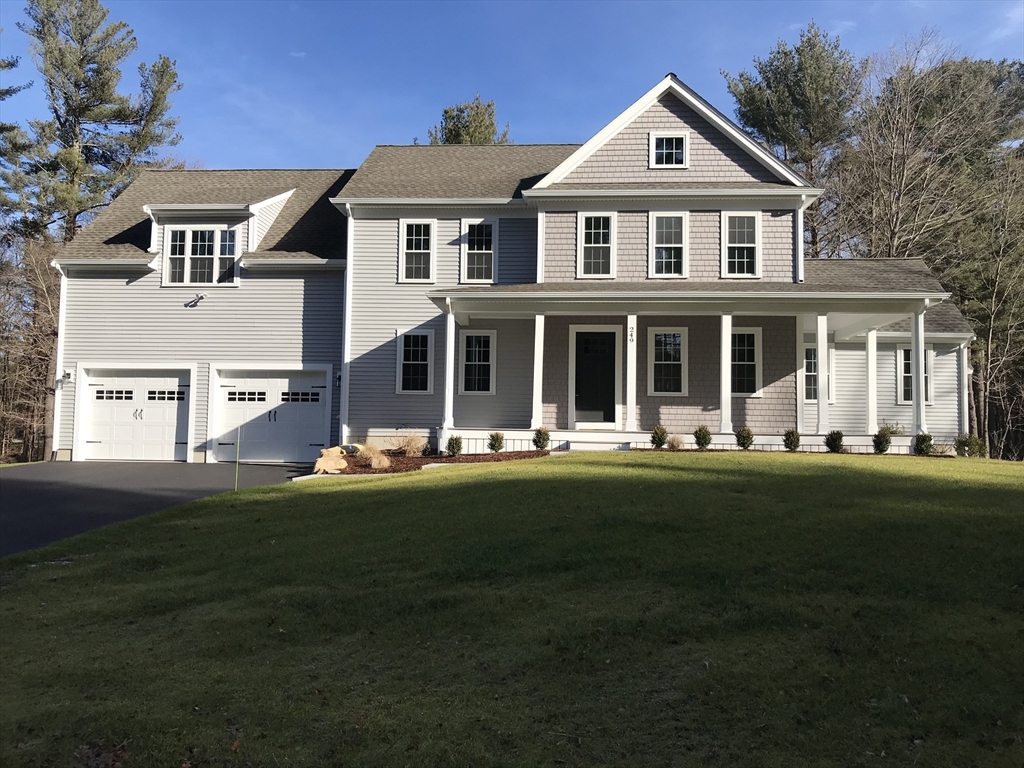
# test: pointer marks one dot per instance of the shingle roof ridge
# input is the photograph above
(244, 170)
(503, 146)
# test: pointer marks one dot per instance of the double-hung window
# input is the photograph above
(415, 374)
(595, 245)
(668, 236)
(669, 150)
(201, 256)
(812, 381)
(479, 355)
(479, 251)
(417, 251)
(905, 375)
(741, 244)
(667, 362)
(746, 362)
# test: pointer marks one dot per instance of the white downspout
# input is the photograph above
(800, 238)
(346, 341)
(58, 368)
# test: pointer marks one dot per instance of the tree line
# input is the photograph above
(918, 151)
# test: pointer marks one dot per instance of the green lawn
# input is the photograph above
(608, 609)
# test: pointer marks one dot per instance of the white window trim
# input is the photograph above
(652, 217)
(433, 250)
(165, 269)
(462, 361)
(465, 250)
(758, 245)
(758, 362)
(929, 364)
(399, 348)
(684, 135)
(613, 234)
(831, 374)
(684, 353)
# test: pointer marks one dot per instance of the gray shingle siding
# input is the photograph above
(705, 246)
(713, 157)
(269, 320)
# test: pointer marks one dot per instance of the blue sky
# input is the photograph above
(317, 84)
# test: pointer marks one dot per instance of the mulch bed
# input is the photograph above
(400, 463)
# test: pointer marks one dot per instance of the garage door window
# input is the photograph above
(300, 397)
(115, 394)
(236, 396)
(166, 395)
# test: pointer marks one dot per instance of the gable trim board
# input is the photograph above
(672, 84)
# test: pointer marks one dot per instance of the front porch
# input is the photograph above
(542, 379)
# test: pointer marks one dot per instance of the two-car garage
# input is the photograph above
(250, 415)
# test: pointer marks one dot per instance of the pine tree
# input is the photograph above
(95, 139)
(472, 122)
(799, 104)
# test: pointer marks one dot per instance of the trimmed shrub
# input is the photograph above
(541, 438)
(969, 445)
(791, 439)
(834, 441)
(454, 446)
(744, 437)
(659, 436)
(675, 443)
(702, 436)
(923, 445)
(495, 441)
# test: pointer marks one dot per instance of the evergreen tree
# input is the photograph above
(798, 103)
(95, 140)
(472, 122)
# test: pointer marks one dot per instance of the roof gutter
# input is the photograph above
(285, 263)
(173, 208)
(570, 194)
(343, 203)
(681, 295)
(145, 263)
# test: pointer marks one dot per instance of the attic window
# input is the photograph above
(669, 150)
(190, 256)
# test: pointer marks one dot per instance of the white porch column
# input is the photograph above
(917, 357)
(871, 348)
(725, 375)
(449, 373)
(821, 342)
(537, 419)
(631, 345)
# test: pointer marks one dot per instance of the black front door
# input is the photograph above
(595, 376)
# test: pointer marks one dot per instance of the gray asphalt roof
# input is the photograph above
(820, 275)
(454, 171)
(308, 225)
(942, 318)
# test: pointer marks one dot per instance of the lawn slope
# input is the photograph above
(610, 609)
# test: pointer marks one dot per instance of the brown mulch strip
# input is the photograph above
(399, 463)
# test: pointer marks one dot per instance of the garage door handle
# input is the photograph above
(140, 413)
(136, 414)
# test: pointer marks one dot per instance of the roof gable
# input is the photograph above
(672, 100)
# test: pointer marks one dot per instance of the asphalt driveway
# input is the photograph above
(43, 503)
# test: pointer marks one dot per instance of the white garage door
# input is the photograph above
(137, 416)
(271, 416)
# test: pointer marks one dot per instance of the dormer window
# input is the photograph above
(201, 256)
(669, 150)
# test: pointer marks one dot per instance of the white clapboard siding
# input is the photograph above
(270, 319)
(942, 418)
(512, 404)
(383, 307)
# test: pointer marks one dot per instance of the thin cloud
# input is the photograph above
(842, 26)
(1011, 23)
(297, 54)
